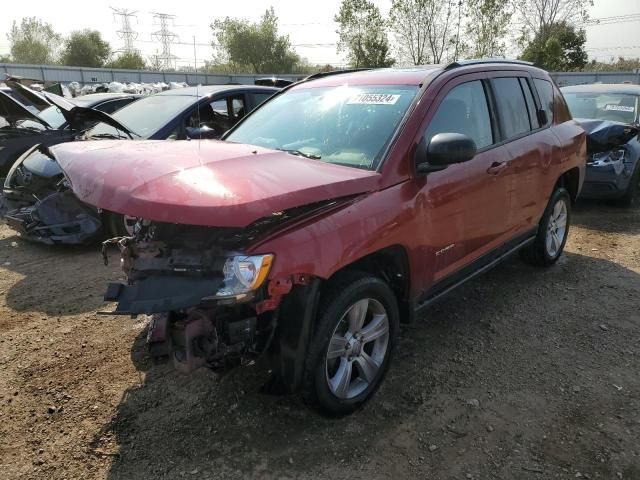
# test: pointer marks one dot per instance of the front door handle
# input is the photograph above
(496, 168)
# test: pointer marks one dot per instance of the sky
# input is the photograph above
(309, 25)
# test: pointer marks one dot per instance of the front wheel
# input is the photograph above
(553, 231)
(119, 225)
(355, 335)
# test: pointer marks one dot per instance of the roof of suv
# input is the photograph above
(412, 75)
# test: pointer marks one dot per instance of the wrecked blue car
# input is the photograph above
(610, 116)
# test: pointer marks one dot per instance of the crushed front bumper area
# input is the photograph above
(59, 218)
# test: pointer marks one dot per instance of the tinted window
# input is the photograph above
(512, 108)
(531, 106)
(464, 110)
(545, 92)
(258, 98)
(113, 105)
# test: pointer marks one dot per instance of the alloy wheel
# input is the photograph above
(556, 228)
(357, 348)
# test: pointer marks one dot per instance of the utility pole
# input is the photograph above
(165, 37)
(126, 33)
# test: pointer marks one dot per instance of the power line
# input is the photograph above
(634, 17)
(126, 33)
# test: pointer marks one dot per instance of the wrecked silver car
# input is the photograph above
(610, 114)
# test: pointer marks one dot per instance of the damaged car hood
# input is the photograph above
(207, 183)
(13, 111)
(605, 135)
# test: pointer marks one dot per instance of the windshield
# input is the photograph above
(53, 116)
(344, 125)
(146, 116)
(618, 107)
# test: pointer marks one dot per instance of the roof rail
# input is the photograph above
(480, 61)
(335, 72)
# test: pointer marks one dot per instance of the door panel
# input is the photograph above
(466, 204)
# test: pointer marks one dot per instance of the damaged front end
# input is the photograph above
(37, 201)
(210, 303)
(613, 152)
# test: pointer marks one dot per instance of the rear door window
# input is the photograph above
(464, 110)
(512, 107)
(545, 92)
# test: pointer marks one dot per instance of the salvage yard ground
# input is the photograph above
(521, 374)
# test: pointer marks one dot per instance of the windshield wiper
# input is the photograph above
(312, 156)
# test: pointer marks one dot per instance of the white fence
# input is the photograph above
(54, 73)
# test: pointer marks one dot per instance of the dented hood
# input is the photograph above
(13, 111)
(209, 183)
(605, 135)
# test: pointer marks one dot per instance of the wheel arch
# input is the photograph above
(570, 181)
(391, 264)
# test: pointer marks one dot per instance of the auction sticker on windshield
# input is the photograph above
(618, 108)
(373, 99)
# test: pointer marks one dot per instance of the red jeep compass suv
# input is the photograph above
(342, 207)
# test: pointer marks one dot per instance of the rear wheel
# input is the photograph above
(352, 345)
(553, 231)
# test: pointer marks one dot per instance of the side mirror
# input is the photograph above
(443, 150)
(196, 133)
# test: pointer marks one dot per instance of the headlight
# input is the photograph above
(244, 274)
(607, 158)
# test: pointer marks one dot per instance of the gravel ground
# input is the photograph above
(521, 374)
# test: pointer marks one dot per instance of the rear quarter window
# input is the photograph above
(545, 92)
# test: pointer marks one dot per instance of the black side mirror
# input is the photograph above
(443, 150)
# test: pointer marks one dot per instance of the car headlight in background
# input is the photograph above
(244, 274)
(612, 158)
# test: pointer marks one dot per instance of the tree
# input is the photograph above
(487, 26)
(440, 35)
(86, 48)
(257, 46)
(410, 21)
(559, 47)
(33, 41)
(128, 61)
(4, 58)
(537, 16)
(620, 64)
(362, 34)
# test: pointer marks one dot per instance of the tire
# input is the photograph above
(630, 197)
(116, 225)
(355, 306)
(552, 237)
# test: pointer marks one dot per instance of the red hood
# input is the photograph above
(209, 183)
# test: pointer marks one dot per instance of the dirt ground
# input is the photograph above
(522, 374)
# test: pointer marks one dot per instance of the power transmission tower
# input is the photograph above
(166, 38)
(126, 33)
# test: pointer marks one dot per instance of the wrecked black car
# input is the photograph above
(610, 115)
(28, 118)
(36, 198)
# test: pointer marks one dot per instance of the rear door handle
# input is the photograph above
(496, 168)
